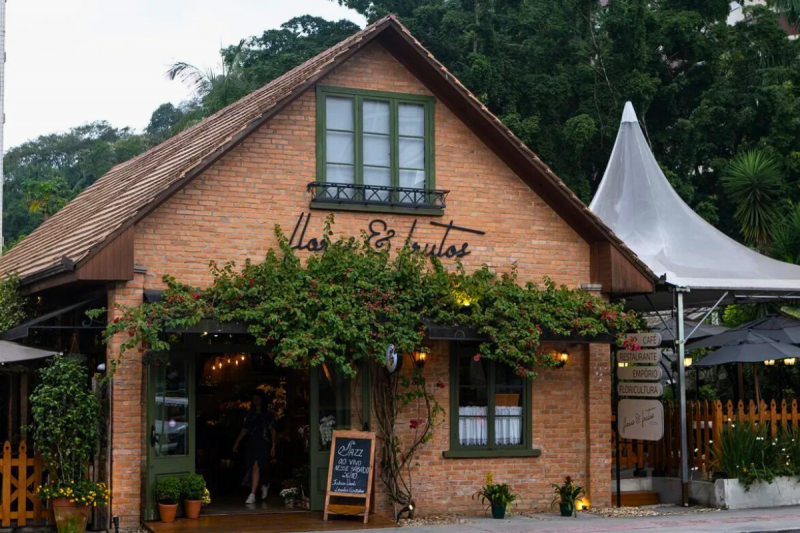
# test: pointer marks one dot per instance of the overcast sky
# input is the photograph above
(75, 61)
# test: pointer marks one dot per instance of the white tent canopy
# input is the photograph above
(11, 352)
(638, 203)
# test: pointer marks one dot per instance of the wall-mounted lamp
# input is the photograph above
(561, 357)
(420, 357)
(687, 362)
(770, 362)
(791, 361)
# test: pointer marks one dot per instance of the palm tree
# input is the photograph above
(786, 238)
(214, 90)
(754, 181)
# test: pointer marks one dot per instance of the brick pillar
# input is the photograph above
(128, 417)
(598, 457)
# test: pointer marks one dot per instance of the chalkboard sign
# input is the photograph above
(350, 471)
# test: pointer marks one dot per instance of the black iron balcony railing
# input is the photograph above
(354, 194)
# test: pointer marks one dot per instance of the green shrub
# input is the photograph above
(65, 414)
(168, 490)
(747, 454)
(789, 452)
(193, 487)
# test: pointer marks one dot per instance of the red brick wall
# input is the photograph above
(229, 213)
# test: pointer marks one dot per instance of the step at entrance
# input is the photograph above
(637, 498)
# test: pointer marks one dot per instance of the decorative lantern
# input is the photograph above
(420, 357)
(687, 362)
(789, 361)
(770, 362)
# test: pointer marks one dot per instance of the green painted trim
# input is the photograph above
(366, 395)
(477, 454)
(394, 99)
(395, 210)
(458, 450)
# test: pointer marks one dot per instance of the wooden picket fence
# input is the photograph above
(705, 422)
(19, 478)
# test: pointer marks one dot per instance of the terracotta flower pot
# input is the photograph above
(192, 508)
(166, 512)
(70, 517)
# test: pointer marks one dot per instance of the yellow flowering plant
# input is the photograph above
(85, 492)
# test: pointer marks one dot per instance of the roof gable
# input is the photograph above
(102, 213)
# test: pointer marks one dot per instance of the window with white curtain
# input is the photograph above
(375, 139)
(490, 403)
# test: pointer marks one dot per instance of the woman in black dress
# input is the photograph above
(259, 424)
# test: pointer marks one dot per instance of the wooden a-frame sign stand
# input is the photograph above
(342, 508)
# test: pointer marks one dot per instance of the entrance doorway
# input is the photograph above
(197, 403)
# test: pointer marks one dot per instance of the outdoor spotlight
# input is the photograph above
(407, 509)
(116, 523)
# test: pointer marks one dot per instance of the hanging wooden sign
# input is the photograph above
(350, 472)
(640, 419)
(648, 339)
(639, 373)
(644, 357)
(649, 390)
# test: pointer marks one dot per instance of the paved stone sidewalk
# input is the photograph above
(783, 519)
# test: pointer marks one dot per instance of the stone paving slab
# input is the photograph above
(774, 520)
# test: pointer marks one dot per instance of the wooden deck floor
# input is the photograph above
(268, 523)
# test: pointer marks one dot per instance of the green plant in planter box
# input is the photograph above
(193, 487)
(497, 495)
(747, 453)
(566, 495)
(168, 491)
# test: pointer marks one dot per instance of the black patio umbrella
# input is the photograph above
(669, 328)
(776, 327)
(752, 347)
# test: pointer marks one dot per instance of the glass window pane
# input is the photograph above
(339, 113)
(339, 174)
(376, 117)
(339, 147)
(412, 178)
(412, 153)
(507, 378)
(376, 150)
(172, 411)
(377, 176)
(412, 119)
(473, 429)
(508, 425)
(509, 388)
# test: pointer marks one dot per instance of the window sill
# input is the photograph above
(477, 454)
(373, 208)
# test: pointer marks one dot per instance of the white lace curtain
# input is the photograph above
(473, 429)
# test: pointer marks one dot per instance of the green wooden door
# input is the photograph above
(170, 424)
(330, 409)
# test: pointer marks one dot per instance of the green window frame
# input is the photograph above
(395, 100)
(464, 351)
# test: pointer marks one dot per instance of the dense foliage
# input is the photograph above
(65, 414)
(556, 71)
(346, 305)
(13, 305)
(749, 453)
(168, 490)
(193, 487)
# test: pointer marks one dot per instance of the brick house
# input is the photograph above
(413, 152)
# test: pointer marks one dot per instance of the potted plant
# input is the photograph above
(566, 495)
(168, 494)
(497, 495)
(193, 489)
(65, 414)
(290, 493)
